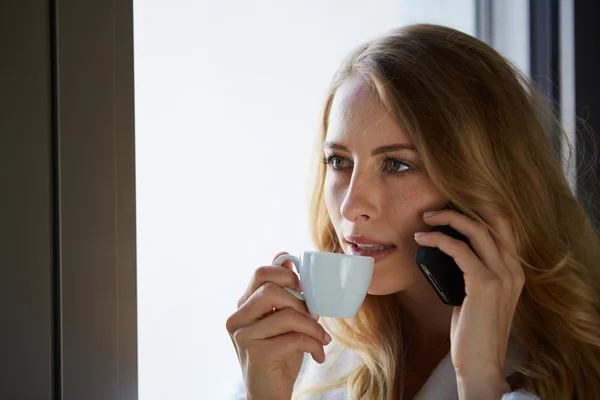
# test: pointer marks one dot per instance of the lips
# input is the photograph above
(363, 246)
(373, 247)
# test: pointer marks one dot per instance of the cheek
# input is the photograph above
(416, 190)
(407, 201)
(334, 195)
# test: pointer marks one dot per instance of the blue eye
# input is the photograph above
(336, 162)
(395, 166)
(389, 165)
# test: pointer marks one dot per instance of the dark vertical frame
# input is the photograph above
(57, 378)
(587, 104)
(26, 202)
(97, 198)
(67, 215)
(544, 55)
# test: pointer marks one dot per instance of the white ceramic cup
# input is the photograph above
(333, 285)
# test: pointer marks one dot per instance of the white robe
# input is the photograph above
(441, 384)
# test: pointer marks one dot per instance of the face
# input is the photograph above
(375, 190)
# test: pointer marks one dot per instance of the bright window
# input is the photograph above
(228, 97)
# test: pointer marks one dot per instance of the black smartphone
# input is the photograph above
(441, 271)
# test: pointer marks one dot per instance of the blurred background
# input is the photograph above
(158, 152)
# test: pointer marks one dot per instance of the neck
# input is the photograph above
(425, 318)
(426, 325)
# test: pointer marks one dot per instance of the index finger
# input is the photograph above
(288, 264)
(279, 275)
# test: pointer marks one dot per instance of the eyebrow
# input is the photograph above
(379, 150)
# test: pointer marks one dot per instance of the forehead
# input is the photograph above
(357, 109)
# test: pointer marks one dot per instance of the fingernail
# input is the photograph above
(319, 360)
(315, 317)
(327, 338)
(420, 234)
(429, 213)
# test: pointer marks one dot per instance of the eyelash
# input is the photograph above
(328, 159)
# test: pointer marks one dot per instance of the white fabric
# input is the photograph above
(441, 384)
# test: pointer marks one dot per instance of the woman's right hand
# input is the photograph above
(271, 331)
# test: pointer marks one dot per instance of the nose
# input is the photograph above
(361, 202)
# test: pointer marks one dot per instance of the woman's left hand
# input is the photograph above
(494, 279)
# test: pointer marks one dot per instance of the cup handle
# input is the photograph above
(296, 261)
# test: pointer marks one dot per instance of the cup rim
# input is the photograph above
(337, 254)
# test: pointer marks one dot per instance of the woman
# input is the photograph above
(424, 117)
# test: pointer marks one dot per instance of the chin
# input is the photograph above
(383, 285)
(387, 280)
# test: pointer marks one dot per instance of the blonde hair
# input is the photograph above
(480, 130)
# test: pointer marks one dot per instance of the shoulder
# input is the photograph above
(520, 395)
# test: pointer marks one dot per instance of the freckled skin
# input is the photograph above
(364, 197)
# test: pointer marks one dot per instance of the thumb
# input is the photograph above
(287, 264)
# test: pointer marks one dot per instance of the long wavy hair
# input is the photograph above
(481, 130)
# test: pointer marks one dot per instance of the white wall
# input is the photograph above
(228, 96)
